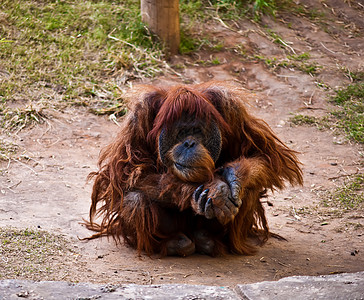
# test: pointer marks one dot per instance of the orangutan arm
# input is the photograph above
(166, 190)
(223, 197)
(220, 198)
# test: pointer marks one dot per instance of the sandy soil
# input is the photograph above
(45, 187)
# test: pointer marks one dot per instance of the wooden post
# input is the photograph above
(162, 18)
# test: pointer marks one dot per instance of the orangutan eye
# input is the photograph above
(182, 134)
(196, 131)
(185, 132)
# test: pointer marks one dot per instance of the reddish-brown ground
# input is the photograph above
(47, 187)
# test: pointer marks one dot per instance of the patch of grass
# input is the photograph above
(311, 13)
(304, 120)
(277, 39)
(193, 9)
(322, 85)
(213, 61)
(228, 9)
(298, 62)
(195, 14)
(117, 110)
(350, 195)
(7, 149)
(299, 57)
(355, 226)
(188, 43)
(356, 76)
(309, 68)
(351, 115)
(191, 43)
(319, 122)
(300, 9)
(19, 118)
(224, 10)
(350, 93)
(263, 6)
(33, 254)
(73, 52)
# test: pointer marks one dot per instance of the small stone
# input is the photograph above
(262, 259)
(23, 294)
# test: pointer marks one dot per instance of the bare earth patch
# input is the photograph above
(43, 186)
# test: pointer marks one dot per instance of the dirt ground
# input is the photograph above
(45, 187)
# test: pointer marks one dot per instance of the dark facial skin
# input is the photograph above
(190, 148)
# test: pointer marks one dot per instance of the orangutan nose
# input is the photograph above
(189, 143)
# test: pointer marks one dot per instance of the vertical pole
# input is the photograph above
(162, 18)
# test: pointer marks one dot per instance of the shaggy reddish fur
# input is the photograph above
(131, 163)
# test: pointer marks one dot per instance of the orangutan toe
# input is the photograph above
(204, 243)
(180, 245)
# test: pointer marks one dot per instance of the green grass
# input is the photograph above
(351, 113)
(356, 76)
(213, 61)
(348, 196)
(19, 118)
(229, 9)
(294, 7)
(299, 62)
(325, 122)
(73, 52)
(299, 57)
(312, 13)
(277, 39)
(263, 6)
(204, 10)
(34, 254)
(304, 120)
(6, 149)
(188, 43)
(195, 14)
